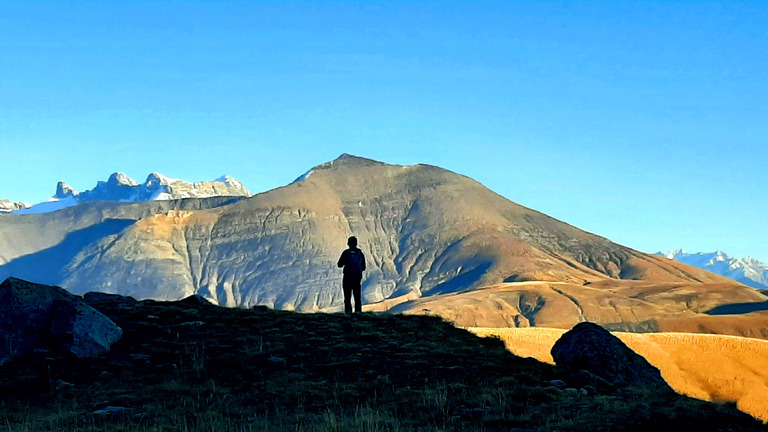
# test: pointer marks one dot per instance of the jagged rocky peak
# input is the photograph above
(7, 206)
(748, 270)
(120, 187)
(229, 181)
(64, 190)
(119, 178)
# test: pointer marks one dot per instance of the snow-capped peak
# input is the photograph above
(120, 187)
(121, 179)
(672, 254)
(230, 181)
(7, 206)
(64, 190)
(156, 179)
(748, 270)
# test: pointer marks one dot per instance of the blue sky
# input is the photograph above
(645, 122)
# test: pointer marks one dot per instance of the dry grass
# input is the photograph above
(710, 367)
(189, 366)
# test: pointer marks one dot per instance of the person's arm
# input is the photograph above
(342, 259)
(362, 255)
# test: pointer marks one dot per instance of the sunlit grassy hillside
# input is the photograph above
(709, 367)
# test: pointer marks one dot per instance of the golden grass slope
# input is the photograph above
(711, 367)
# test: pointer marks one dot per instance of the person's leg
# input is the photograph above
(358, 302)
(347, 286)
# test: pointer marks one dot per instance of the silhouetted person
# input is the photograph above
(353, 262)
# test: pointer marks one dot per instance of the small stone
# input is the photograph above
(110, 412)
(139, 357)
(277, 361)
(190, 325)
(558, 383)
(61, 384)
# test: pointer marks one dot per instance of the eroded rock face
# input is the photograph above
(591, 348)
(40, 316)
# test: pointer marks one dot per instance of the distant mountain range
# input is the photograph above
(120, 187)
(7, 206)
(748, 271)
(434, 240)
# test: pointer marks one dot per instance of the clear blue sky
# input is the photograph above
(645, 122)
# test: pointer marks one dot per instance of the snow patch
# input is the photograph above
(304, 176)
(49, 206)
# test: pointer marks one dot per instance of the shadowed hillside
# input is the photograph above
(197, 367)
(709, 367)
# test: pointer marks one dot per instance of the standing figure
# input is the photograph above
(353, 262)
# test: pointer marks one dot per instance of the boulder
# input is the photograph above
(81, 329)
(38, 317)
(591, 348)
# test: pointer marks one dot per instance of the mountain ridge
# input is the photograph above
(120, 187)
(747, 270)
(425, 230)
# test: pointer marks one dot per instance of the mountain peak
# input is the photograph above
(748, 271)
(64, 190)
(156, 179)
(348, 159)
(120, 187)
(119, 178)
(8, 206)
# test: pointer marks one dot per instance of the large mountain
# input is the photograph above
(120, 187)
(748, 271)
(428, 233)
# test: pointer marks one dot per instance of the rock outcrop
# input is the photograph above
(594, 350)
(34, 316)
(7, 206)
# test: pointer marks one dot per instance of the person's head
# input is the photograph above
(352, 242)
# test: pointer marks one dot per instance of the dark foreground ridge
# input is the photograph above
(192, 366)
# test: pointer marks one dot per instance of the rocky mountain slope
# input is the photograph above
(120, 187)
(427, 232)
(748, 271)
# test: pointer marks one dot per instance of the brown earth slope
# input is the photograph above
(633, 305)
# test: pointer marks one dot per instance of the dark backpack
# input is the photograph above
(354, 262)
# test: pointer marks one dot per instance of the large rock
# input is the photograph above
(36, 316)
(81, 329)
(591, 348)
